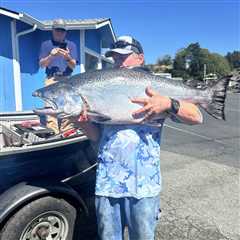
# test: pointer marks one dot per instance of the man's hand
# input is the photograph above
(82, 121)
(64, 53)
(44, 62)
(54, 52)
(61, 52)
(81, 118)
(188, 112)
(152, 106)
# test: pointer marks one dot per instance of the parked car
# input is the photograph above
(195, 83)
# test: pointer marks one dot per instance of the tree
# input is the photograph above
(218, 64)
(189, 63)
(233, 59)
(165, 60)
(179, 65)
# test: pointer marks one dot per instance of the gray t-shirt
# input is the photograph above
(57, 61)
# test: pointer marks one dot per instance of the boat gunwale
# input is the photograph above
(41, 146)
(47, 144)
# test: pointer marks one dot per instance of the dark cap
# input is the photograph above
(125, 45)
(59, 24)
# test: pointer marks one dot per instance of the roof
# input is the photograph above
(11, 11)
(72, 24)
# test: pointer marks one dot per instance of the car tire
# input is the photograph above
(45, 216)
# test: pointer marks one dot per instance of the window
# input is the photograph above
(91, 62)
(106, 65)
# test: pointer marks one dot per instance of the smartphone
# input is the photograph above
(63, 45)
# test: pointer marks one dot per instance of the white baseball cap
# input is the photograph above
(125, 45)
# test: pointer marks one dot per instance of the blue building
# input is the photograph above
(20, 40)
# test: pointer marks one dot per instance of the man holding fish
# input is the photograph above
(128, 180)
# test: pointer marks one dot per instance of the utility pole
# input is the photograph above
(204, 72)
(187, 63)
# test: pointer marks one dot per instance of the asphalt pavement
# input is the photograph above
(200, 172)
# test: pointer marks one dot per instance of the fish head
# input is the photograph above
(61, 100)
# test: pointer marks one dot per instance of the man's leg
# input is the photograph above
(51, 122)
(109, 218)
(142, 217)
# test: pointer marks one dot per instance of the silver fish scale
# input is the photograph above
(108, 92)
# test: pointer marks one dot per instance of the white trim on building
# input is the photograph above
(16, 63)
(16, 68)
(9, 14)
(82, 51)
(107, 59)
(98, 56)
(92, 52)
(108, 22)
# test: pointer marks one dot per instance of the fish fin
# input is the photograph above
(216, 107)
(235, 80)
(98, 117)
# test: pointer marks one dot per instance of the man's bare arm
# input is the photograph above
(71, 63)
(44, 62)
(66, 54)
(157, 104)
(91, 130)
(189, 113)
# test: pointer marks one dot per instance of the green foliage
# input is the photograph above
(165, 60)
(233, 59)
(218, 64)
(192, 61)
(189, 63)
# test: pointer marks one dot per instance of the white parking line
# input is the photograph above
(194, 134)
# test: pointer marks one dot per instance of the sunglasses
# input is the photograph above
(119, 56)
(123, 44)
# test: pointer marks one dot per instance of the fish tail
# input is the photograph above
(219, 90)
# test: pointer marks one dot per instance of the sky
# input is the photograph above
(162, 26)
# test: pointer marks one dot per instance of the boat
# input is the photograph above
(36, 164)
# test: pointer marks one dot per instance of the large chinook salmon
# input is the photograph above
(106, 95)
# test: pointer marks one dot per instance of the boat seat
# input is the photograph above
(10, 138)
(39, 131)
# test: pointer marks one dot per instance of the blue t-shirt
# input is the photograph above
(58, 61)
(129, 161)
